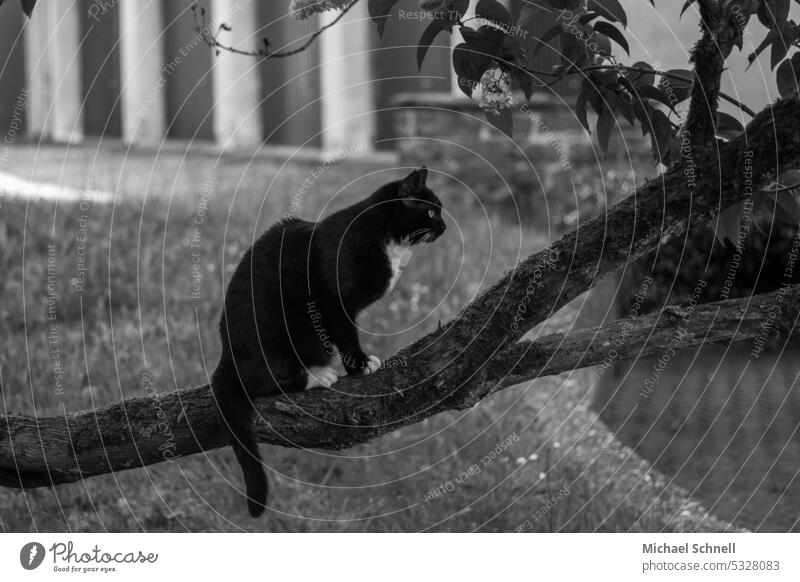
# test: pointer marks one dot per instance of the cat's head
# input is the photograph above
(416, 212)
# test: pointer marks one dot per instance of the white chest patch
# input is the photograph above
(398, 255)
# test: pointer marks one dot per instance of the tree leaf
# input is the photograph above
(727, 225)
(686, 6)
(514, 56)
(678, 82)
(587, 17)
(494, 12)
(548, 35)
(525, 82)
(379, 12)
(458, 6)
(486, 40)
(469, 66)
(604, 122)
(773, 13)
(455, 11)
(573, 53)
(448, 12)
(787, 202)
(655, 93)
(643, 111)
(643, 78)
(503, 120)
(613, 33)
(680, 77)
(603, 44)
(788, 76)
(727, 126)
(529, 14)
(28, 6)
(427, 38)
(789, 180)
(580, 110)
(610, 9)
(778, 51)
(513, 53)
(661, 137)
(612, 101)
(592, 95)
(565, 4)
(771, 37)
(626, 109)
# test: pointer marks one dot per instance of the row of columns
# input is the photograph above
(52, 61)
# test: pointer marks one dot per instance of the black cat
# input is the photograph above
(297, 292)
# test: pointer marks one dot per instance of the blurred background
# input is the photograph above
(137, 165)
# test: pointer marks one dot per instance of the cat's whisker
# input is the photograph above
(417, 235)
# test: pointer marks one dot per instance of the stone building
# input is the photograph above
(136, 70)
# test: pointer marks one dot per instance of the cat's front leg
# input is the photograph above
(320, 377)
(345, 336)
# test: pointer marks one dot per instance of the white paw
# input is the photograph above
(373, 364)
(324, 376)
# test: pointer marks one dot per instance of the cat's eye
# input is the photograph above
(431, 213)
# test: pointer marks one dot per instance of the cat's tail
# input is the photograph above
(237, 411)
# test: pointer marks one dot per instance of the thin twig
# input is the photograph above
(738, 104)
(201, 28)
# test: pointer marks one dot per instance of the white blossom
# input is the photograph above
(493, 93)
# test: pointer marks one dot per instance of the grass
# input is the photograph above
(497, 467)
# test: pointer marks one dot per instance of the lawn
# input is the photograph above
(97, 295)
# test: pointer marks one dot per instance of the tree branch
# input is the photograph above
(722, 30)
(452, 367)
(672, 328)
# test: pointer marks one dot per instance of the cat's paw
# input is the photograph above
(372, 365)
(321, 376)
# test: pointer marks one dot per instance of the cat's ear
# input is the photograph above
(413, 182)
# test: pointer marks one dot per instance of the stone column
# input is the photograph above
(348, 94)
(237, 111)
(144, 74)
(53, 68)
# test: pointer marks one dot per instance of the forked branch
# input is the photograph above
(49, 451)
